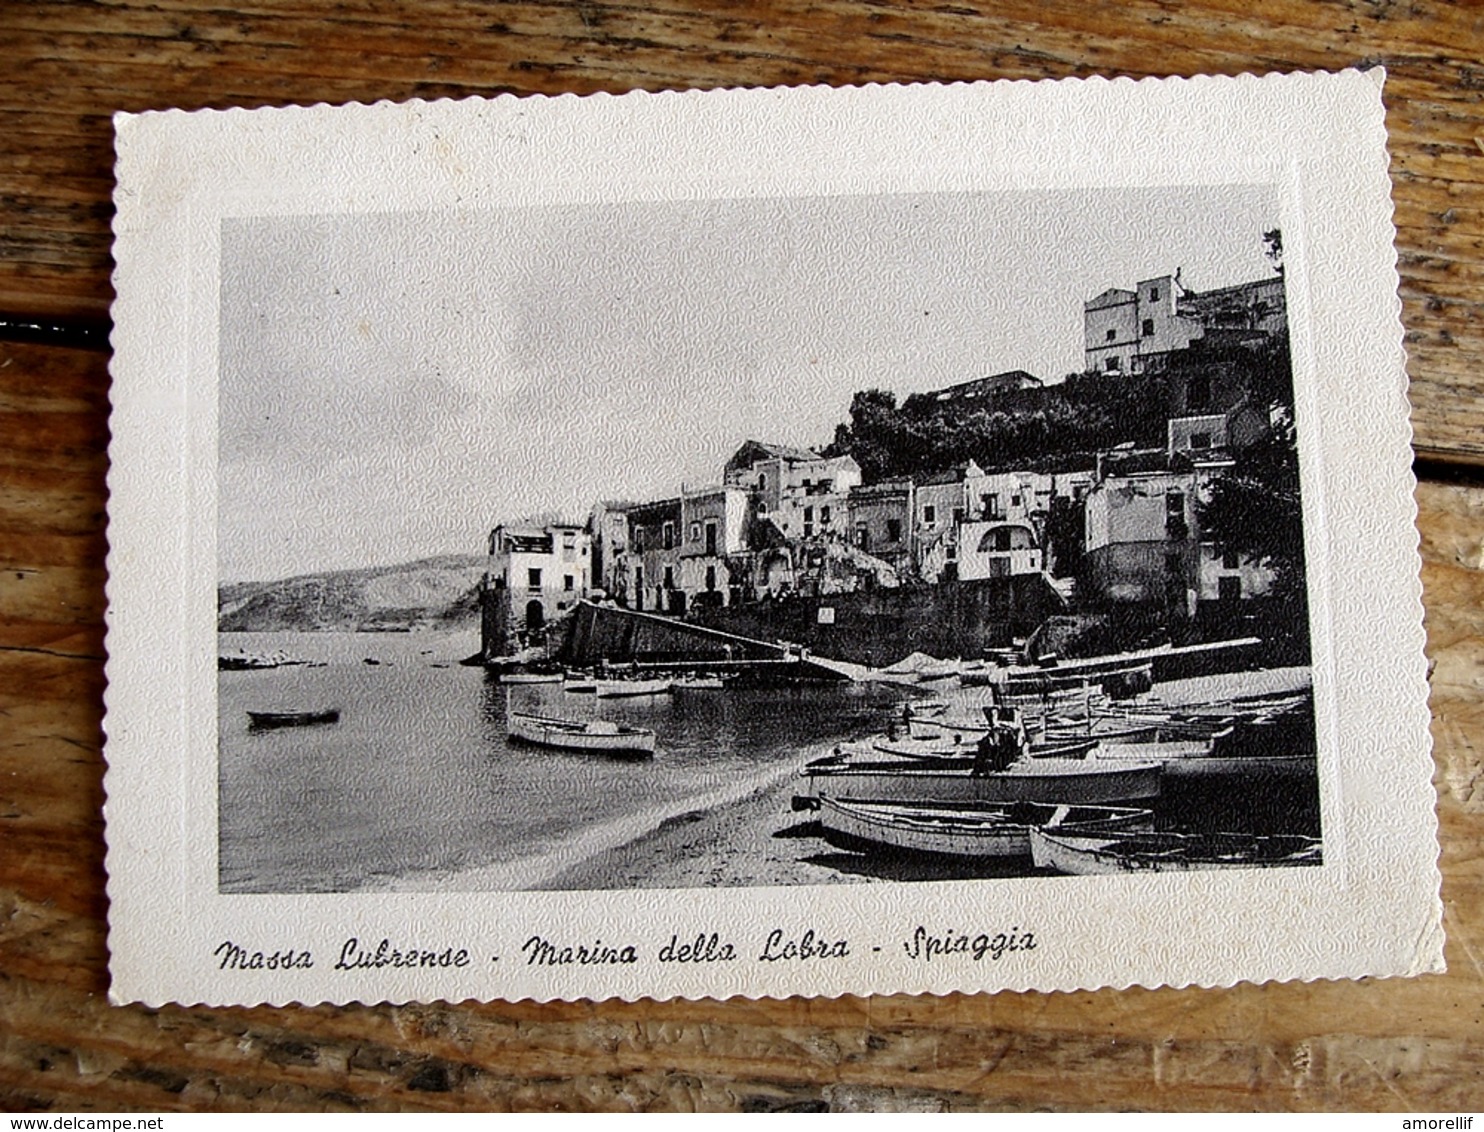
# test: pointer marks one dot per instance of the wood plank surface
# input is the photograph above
(1375, 1044)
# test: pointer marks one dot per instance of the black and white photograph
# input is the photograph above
(761, 541)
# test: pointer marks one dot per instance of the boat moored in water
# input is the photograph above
(268, 720)
(1112, 854)
(595, 735)
(613, 689)
(964, 831)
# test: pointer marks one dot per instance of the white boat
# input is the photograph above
(977, 831)
(699, 684)
(612, 689)
(858, 777)
(1121, 854)
(597, 735)
(531, 678)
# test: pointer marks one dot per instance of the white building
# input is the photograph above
(803, 494)
(535, 573)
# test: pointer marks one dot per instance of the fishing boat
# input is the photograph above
(965, 831)
(1113, 854)
(945, 748)
(699, 684)
(531, 678)
(594, 735)
(268, 720)
(874, 777)
(612, 689)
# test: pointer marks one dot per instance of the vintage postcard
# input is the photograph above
(769, 542)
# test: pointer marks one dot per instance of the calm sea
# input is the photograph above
(417, 787)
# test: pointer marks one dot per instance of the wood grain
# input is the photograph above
(75, 64)
(1375, 1044)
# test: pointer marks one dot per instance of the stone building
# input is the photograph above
(798, 491)
(1140, 331)
(535, 573)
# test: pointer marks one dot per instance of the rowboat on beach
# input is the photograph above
(1111, 854)
(268, 720)
(858, 776)
(945, 748)
(594, 735)
(964, 831)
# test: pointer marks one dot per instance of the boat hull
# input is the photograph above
(271, 720)
(618, 689)
(1100, 855)
(1059, 781)
(974, 833)
(594, 738)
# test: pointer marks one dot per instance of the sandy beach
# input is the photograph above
(756, 840)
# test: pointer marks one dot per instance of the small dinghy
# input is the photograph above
(596, 735)
(964, 831)
(1112, 854)
(268, 720)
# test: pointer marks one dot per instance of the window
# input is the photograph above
(1148, 328)
(569, 583)
(1154, 294)
(710, 537)
(1112, 334)
(710, 579)
(958, 515)
(669, 536)
(762, 481)
(863, 536)
(1200, 440)
(808, 514)
(992, 505)
(669, 577)
(929, 514)
(1015, 501)
(533, 579)
(1002, 540)
(893, 530)
(1112, 365)
(1229, 560)
(824, 516)
(695, 532)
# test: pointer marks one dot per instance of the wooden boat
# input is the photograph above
(856, 776)
(944, 748)
(699, 684)
(531, 678)
(967, 831)
(596, 735)
(1107, 854)
(268, 720)
(612, 689)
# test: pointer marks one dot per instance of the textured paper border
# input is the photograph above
(1372, 909)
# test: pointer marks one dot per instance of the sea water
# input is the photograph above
(417, 786)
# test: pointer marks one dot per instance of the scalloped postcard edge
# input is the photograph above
(1372, 908)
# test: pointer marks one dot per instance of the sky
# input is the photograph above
(393, 385)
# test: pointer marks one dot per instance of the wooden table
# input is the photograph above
(1393, 1044)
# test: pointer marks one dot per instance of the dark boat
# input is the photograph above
(268, 720)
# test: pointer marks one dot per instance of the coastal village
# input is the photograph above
(1010, 627)
(1077, 552)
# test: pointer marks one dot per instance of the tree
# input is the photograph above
(1273, 238)
(1256, 509)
